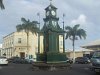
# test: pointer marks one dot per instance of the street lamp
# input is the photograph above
(64, 32)
(38, 14)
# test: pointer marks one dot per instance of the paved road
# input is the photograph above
(25, 69)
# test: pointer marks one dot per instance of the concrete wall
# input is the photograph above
(77, 54)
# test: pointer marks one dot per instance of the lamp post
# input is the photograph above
(38, 14)
(63, 34)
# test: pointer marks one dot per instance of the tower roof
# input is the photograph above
(50, 6)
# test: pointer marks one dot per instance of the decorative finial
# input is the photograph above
(50, 2)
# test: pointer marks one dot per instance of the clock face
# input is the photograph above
(53, 13)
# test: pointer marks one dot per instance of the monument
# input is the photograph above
(53, 38)
(53, 47)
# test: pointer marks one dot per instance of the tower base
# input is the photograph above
(51, 57)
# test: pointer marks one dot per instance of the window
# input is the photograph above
(61, 43)
(30, 56)
(19, 40)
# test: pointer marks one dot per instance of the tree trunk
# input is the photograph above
(38, 43)
(73, 50)
(27, 42)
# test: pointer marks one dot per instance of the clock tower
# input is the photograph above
(51, 16)
(53, 38)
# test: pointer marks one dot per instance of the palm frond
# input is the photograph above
(68, 28)
(28, 26)
(69, 32)
(74, 32)
(24, 20)
(76, 27)
(35, 22)
(1, 4)
(34, 28)
(81, 33)
(19, 27)
(67, 35)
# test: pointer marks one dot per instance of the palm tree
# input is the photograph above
(73, 33)
(27, 26)
(1, 4)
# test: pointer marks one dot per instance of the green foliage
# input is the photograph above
(74, 32)
(1, 4)
(28, 26)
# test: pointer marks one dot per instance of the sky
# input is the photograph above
(83, 12)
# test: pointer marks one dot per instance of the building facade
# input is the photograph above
(79, 53)
(0, 49)
(15, 44)
(94, 45)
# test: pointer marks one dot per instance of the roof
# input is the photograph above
(79, 50)
(93, 43)
(52, 6)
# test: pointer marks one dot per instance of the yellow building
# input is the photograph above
(15, 44)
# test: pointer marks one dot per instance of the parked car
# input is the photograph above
(13, 59)
(83, 60)
(18, 60)
(95, 61)
(3, 61)
(29, 60)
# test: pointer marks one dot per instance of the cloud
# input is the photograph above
(88, 26)
(15, 9)
(83, 12)
(84, 22)
(80, 20)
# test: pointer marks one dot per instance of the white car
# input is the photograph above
(3, 61)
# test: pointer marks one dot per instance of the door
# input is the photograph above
(22, 54)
